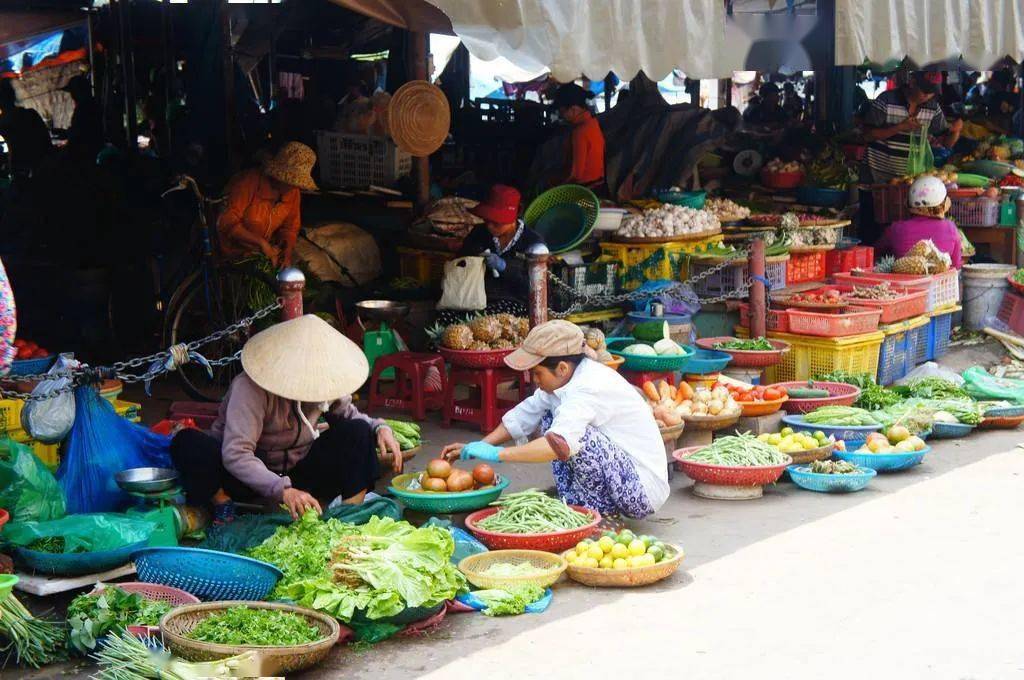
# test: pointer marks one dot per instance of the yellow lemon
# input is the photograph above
(606, 562)
(581, 548)
(643, 560)
(571, 556)
(620, 564)
(594, 550)
(637, 547)
(619, 550)
(606, 543)
(591, 563)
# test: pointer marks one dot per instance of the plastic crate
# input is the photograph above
(1011, 312)
(775, 319)
(939, 332)
(943, 289)
(848, 259)
(809, 356)
(426, 266)
(805, 267)
(49, 454)
(732, 278)
(640, 262)
(912, 303)
(348, 160)
(890, 202)
(855, 321)
(595, 278)
(896, 355)
(974, 212)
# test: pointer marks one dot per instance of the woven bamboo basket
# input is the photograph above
(670, 434)
(805, 457)
(475, 567)
(628, 578)
(177, 623)
(697, 423)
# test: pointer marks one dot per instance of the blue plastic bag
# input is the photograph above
(100, 445)
(471, 600)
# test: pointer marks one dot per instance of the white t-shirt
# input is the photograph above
(601, 398)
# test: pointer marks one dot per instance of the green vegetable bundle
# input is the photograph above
(407, 434)
(833, 467)
(532, 512)
(966, 411)
(875, 397)
(28, 640)
(509, 601)
(742, 450)
(91, 616)
(753, 345)
(122, 656)
(933, 388)
(262, 627)
(840, 415)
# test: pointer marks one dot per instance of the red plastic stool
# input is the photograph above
(409, 392)
(488, 409)
(638, 378)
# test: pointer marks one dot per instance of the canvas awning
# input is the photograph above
(412, 15)
(928, 31)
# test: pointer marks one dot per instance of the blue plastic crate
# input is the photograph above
(917, 345)
(940, 329)
(892, 357)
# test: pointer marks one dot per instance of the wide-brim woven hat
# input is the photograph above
(305, 359)
(293, 165)
(419, 118)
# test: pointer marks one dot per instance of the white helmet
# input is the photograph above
(927, 192)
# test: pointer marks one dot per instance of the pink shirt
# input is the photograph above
(901, 236)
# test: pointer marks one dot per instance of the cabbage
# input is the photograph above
(644, 350)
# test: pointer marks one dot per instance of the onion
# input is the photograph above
(483, 474)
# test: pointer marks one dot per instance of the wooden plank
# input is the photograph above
(41, 585)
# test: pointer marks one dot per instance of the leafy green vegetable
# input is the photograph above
(934, 388)
(875, 397)
(965, 410)
(261, 627)
(378, 569)
(861, 380)
(509, 601)
(506, 569)
(755, 345)
(51, 544)
(92, 616)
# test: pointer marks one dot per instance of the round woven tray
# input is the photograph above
(628, 578)
(177, 623)
(805, 457)
(800, 250)
(489, 358)
(475, 566)
(677, 239)
(703, 423)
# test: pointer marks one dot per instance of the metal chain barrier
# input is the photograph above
(157, 363)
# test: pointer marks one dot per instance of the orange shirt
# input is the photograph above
(587, 151)
(254, 205)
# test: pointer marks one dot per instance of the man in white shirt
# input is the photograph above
(597, 430)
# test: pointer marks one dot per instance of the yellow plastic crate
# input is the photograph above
(426, 266)
(809, 356)
(652, 261)
(595, 315)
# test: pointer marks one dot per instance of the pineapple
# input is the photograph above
(595, 338)
(457, 336)
(921, 249)
(508, 325)
(486, 329)
(884, 264)
(502, 343)
(522, 327)
(479, 346)
(910, 265)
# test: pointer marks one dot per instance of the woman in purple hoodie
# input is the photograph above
(265, 443)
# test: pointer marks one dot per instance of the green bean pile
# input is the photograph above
(742, 450)
(532, 512)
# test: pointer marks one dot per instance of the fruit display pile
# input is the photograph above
(897, 439)
(777, 165)
(752, 393)
(622, 550)
(827, 296)
(669, 221)
(672, 404)
(29, 350)
(788, 441)
(442, 476)
(494, 331)
(726, 210)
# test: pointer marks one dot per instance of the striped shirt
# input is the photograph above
(887, 158)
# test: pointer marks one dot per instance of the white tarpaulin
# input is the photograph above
(571, 38)
(928, 31)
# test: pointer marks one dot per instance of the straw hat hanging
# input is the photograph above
(304, 359)
(419, 118)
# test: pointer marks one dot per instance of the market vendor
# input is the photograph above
(262, 210)
(265, 443)
(585, 165)
(767, 111)
(894, 114)
(503, 240)
(929, 203)
(596, 430)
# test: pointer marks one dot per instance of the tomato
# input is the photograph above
(782, 390)
(745, 397)
(772, 394)
(19, 342)
(30, 346)
(40, 353)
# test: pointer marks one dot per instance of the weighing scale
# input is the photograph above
(384, 340)
(159, 507)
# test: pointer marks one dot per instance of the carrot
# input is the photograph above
(651, 391)
(665, 390)
(685, 391)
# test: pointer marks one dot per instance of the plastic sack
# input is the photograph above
(50, 420)
(100, 445)
(28, 490)
(919, 157)
(465, 543)
(931, 369)
(471, 600)
(981, 385)
(88, 533)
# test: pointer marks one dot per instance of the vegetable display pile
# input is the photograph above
(872, 397)
(830, 169)
(380, 568)
(840, 415)
(669, 221)
(257, 627)
(441, 475)
(671, 403)
(532, 512)
(833, 467)
(622, 550)
(751, 345)
(934, 388)
(510, 569)
(407, 434)
(788, 441)
(828, 296)
(29, 350)
(93, 615)
(509, 601)
(28, 640)
(896, 440)
(52, 544)
(881, 291)
(752, 393)
(726, 210)
(742, 450)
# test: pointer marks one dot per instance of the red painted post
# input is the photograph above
(537, 257)
(758, 301)
(290, 284)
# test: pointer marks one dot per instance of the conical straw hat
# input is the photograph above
(419, 118)
(304, 359)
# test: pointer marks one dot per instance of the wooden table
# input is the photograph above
(1001, 242)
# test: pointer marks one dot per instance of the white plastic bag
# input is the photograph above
(931, 370)
(464, 284)
(50, 420)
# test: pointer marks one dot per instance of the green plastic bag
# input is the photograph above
(28, 490)
(982, 385)
(920, 158)
(88, 533)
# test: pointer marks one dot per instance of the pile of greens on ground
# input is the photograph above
(872, 395)
(377, 569)
(259, 627)
(509, 601)
(932, 388)
(91, 616)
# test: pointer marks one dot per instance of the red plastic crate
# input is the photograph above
(854, 321)
(1011, 312)
(848, 259)
(912, 303)
(943, 289)
(776, 319)
(806, 267)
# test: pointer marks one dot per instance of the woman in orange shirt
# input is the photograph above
(262, 212)
(587, 162)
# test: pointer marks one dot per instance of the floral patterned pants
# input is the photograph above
(8, 323)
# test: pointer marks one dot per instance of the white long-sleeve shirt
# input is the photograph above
(601, 398)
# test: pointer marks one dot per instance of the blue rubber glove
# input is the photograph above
(495, 262)
(482, 451)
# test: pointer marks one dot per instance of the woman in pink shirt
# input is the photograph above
(929, 204)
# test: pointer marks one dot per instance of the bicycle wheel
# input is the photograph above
(202, 310)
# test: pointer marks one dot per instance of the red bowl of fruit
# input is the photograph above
(30, 358)
(782, 180)
(821, 298)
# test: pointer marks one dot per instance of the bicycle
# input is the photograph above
(209, 299)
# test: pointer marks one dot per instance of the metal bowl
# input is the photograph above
(147, 479)
(382, 310)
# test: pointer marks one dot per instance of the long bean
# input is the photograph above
(532, 512)
(742, 450)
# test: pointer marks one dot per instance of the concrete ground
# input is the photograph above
(915, 577)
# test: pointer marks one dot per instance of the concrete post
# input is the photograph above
(537, 257)
(290, 284)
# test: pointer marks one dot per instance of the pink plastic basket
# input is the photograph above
(153, 591)
(727, 475)
(912, 303)
(555, 541)
(943, 289)
(855, 321)
(742, 358)
(776, 319)
(840, 394)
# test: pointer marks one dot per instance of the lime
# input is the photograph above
(643, 561)
(637, 547)
(625, 538)
(820, 436)
(619, 550)
(581, 548)
(620, 563)
(659, 545)
(590, 563)
(606, 562)
(657, 553)
(571, 556)
(786, 431)
(594, 551)
(648, 540)
(606, 544)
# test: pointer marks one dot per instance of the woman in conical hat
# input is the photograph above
(265, 443)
